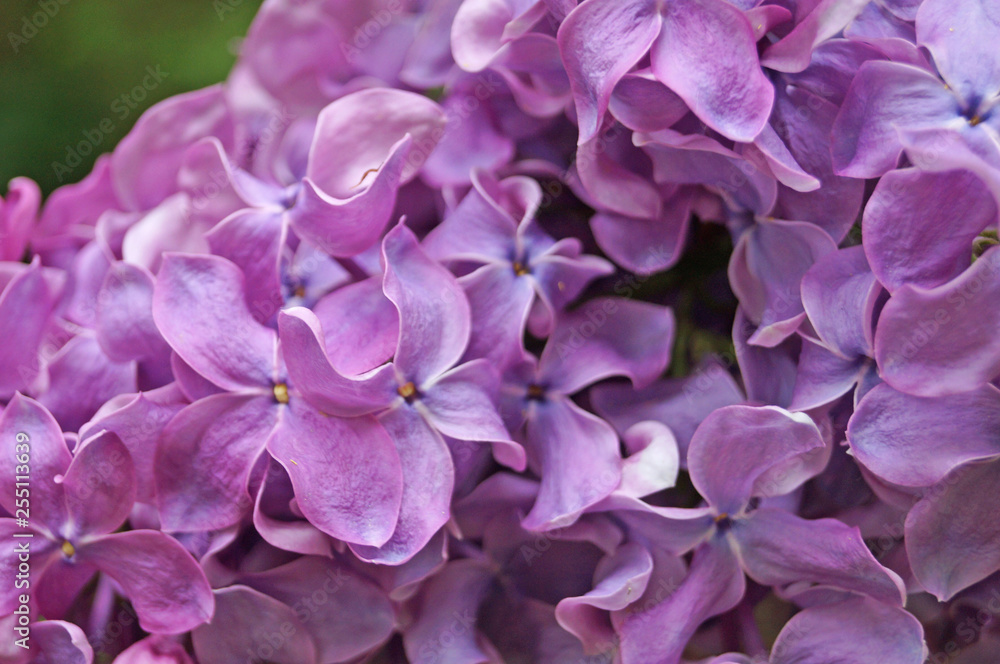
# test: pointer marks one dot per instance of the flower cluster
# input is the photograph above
(411, 343)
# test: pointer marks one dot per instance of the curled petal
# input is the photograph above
(778, 548)
(744, 451)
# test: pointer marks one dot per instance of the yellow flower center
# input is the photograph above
(68, 549)
(408, 391)
(281, 393)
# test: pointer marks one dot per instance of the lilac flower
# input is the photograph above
(340, 206)
(948, 447)
(734, 478)
(310, 610)
(53, 641)
(840, 296)
(524, 277)
(573, 451)
(854, 630)
(601, 41)
(500, 37)
(208, 450)
(77, 503)
(422, 397)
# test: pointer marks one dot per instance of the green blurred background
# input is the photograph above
(63, 79)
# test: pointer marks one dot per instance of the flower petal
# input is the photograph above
(943, 340)
(248, 621)
(434, 316)
(345, 471)
(620, 579)
(59, 642)
(961, 39)
(744, 451)
(608, 337)
(204, 459)
(26, 302)
(428, 480)
(952, 534)
(99, 485)
(29, 432)
(600, 42)
(164, 583)
(576, 455)
(199, 307)
(461, 405)
(444, 628)
(884, 96)
(778, 548)
(916, 441)
(361, 326)
(918, 227)
(353, 616)
(724, 87)
(362, 129)
(658, 633)
(314, 377)
(253, 240)
(856, 630)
